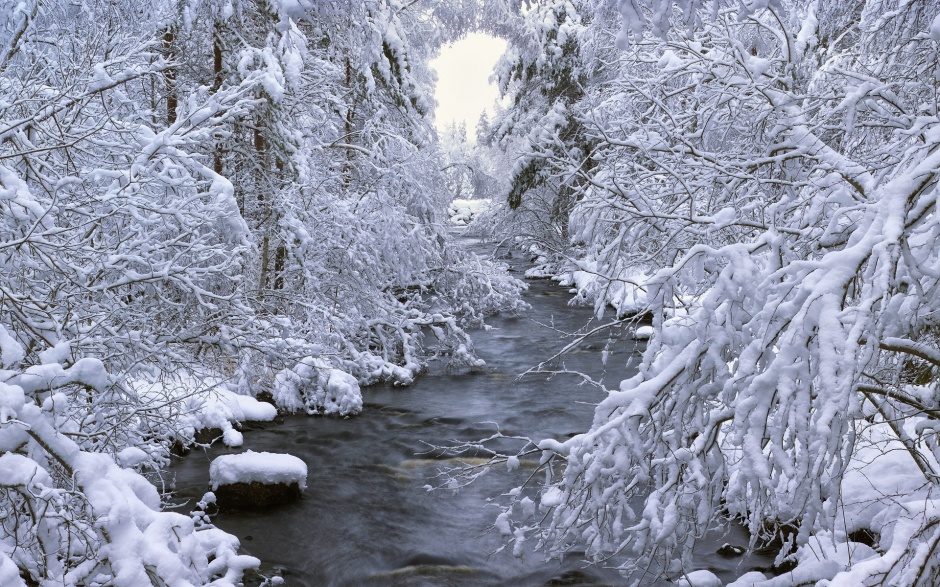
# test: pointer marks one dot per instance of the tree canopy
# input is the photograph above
(197, 195)
(760, 179)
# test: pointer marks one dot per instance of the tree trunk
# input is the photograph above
(169, 76)
(263, 279)
(348, 127)
(216, 84)
(280, 261)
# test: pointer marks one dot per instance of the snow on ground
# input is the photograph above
(261, 467)
(462, 212)
(626, 293)
(883, 489)
(821, 548)
(881, 476)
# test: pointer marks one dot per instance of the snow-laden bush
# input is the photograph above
(71, 516)
(314, 386)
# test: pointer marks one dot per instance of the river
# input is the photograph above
(366, 517)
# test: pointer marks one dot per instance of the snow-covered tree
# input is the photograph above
(355, 227)
(235, 193)
(119, 248)
(550, 63)
(470, 169)
(772, 170)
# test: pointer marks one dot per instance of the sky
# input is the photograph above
(463, 87)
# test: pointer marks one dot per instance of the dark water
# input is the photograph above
(366, 517)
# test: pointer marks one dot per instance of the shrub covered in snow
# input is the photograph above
(313, 385)
(75, 517)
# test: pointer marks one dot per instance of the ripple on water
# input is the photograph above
(432, 575)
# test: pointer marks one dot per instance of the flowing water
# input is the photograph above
(367, 518)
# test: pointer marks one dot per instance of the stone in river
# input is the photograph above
(257, 479)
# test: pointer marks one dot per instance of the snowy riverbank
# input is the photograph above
(875, 512)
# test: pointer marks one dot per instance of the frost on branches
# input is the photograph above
(200, 200)
(771, 170)
(117, 244)
(76, 517)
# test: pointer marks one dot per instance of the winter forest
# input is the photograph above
(221, 211)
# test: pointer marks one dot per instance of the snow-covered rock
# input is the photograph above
(700, 578)
(257, 479)
(750, 579)
(462, 212)
(260, 467)
(643, 333)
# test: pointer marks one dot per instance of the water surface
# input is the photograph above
(367, 518)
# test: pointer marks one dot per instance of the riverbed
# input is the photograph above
(367, 517)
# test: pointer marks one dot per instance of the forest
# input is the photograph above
(210, 205)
